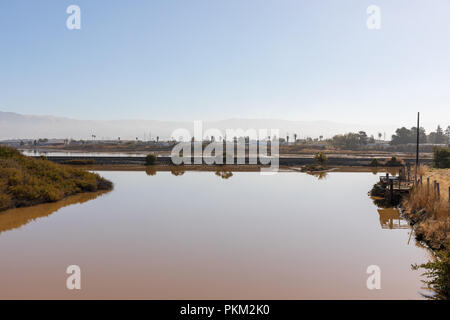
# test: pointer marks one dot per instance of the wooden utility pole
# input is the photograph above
(417, 148)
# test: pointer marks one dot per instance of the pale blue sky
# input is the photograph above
(215, 59)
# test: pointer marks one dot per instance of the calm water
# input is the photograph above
(200, 236)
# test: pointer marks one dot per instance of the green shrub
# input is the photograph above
(394, 162)
(320, 157)
(150, 160)
(441, 157)
(438, 275)
(27, 181)
(374, 163)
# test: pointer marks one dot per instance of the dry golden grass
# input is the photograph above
(442, 176)
(430, 211)
(434, 232)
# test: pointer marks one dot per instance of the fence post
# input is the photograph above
(437, 190)
(428, 185)
(391, 190)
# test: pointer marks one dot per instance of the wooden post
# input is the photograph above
(428, 185)
(417, 147)
(391, 190)
(437, 190)
(448, 194)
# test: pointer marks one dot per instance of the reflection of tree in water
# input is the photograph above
(320, 175)
(224, 174)
(150, 171)
(177, 172)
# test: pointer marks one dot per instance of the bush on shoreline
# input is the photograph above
(150, 160)
(374, 163)
(438, 275)
(25, 181)
(394, 162)
(441, 158)
(320, 157)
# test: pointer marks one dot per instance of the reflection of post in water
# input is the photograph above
(224, 174)
(15, 218)
(390, 219)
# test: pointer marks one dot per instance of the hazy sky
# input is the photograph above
(215, 59)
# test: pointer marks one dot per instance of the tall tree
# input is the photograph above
(362, 137)
(447, 134)
(438, 136)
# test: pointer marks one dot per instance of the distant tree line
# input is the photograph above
(402, 136)
(405, 136)
(351, 140)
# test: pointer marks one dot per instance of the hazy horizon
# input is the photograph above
(17, 126)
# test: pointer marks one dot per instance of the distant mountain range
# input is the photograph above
(18, 126)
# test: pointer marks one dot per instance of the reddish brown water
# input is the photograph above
(200, 236)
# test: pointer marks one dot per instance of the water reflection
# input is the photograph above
(177, 172)
(321, 175)
(224, 174)
(151, 171)
(16, 218)
(390, 219)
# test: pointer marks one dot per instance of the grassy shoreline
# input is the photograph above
(428, 212)
(429, 215)
(26, 181)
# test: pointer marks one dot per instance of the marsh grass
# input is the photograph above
(26, 181)
(431, 215)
